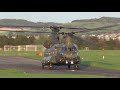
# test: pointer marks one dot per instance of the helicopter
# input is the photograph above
(60, 51)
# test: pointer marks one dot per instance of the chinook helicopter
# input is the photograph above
(59, 51)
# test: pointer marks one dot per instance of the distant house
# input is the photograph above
(13, 29)
(118, 38)
(107, 37)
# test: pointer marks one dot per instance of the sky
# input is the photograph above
(59, 17)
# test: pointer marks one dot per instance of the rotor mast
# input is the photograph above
(55, 34)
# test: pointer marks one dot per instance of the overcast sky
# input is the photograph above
(60, 17)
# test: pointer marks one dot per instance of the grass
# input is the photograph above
(94, 58)
(22, 74)
(29, 54)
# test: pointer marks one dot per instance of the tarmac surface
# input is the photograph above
(34, 66)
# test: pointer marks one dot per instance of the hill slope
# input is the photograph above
(87, 23)
(22, 22)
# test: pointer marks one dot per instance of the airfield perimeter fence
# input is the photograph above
(24, 48)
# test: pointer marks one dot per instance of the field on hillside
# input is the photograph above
(90, 58)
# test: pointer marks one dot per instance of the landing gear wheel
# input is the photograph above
(43, 66)
(50, 66)
(68, 66)
(76, 67)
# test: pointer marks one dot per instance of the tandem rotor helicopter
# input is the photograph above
(59, 52)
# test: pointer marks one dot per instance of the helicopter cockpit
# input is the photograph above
(73, 48)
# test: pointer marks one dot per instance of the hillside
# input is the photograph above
(15, 22)
(96, 23)
(102, 19)
(86, 23)
(22, 22)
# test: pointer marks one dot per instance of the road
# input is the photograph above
(34, 66)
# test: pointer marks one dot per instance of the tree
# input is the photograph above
(111, 44)
(41, 40)
(31, 40)
(3, 41)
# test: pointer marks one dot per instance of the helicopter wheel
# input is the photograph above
(50, 66)
(43, 66)
(68, 66)
(76, 67)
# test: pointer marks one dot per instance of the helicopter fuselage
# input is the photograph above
(59, 54)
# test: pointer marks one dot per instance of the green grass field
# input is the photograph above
(22, 74)
(30, 54)
(94, 58)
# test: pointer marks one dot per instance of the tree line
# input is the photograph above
(21, 40)
(94, 42)
(105, 44)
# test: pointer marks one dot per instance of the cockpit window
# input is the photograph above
(64, 48)
(70, 49)
(74, 48)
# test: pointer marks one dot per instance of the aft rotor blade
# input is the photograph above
(85, 42)
(89, 30)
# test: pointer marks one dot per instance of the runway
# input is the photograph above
(34, 66)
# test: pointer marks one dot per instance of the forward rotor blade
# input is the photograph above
(30, 32)
(23, 31)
